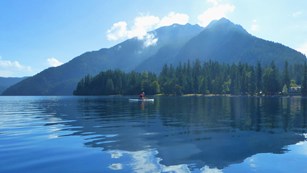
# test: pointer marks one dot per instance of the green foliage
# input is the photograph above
(286, 77)
(259, 79)
(293, 83)
(271, 82)
(304, 83)
(193, 78)
(285, 89)
(114, 82)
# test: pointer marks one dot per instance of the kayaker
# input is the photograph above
(142, 95)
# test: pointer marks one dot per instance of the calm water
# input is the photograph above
(173, 134)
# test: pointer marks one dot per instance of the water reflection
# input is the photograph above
(193, 131)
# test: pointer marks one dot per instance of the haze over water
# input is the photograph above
(188, 134)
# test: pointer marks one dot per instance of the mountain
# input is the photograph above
(226, 42)
(221, 41)
(6, 82)
(126, 56)
(173, 37)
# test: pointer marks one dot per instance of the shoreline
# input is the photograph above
(183, 95)
(228, 95)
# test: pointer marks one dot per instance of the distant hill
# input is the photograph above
(6, 82)
(221, 41)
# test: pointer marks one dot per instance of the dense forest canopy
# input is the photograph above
(200, 78)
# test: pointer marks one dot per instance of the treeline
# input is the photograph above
(200, 78)
(116, 82)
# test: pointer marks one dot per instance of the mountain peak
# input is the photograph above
(222, 20)
(176, 26)
(224, 24)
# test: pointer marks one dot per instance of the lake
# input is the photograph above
(172, 134)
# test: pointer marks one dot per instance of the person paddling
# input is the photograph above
(142, 95)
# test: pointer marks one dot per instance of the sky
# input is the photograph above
(36, 34)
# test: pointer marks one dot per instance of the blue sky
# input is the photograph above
(36, 34)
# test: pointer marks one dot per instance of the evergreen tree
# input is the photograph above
(189, 78)
(109, 87)
(271, 80)
(196, 76)
(304, 82)
(252, 82)
(286, 77)
(259, 81)
(155, 87)
(234, 87)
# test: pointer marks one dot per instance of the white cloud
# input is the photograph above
(117, 31)
(150, 40)
(172, 18)
(302, 48)
(301, 147)
(251, 162)
(214, 2)
(217, 11)
(53, 62)
(207, 169)
(147, 161)
(116, 154)
(142, 25)
(116, 166)
(10, 68)
(255, 26)
(12, 64)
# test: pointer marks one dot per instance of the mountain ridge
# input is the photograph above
(6, 82)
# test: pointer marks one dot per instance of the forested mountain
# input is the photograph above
(220, 41)
(6, 82)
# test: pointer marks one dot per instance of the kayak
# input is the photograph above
(141, 100)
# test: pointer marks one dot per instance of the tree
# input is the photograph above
(271, 82)
(286, 77)
(203, 85)
(133, 83)
(83, 85)
(252, 82)
(304, 82)
(156, 87)
(259, 81)
(196, 75)
(109, 87)
(285, 90)
(189, 78)
(235, 83)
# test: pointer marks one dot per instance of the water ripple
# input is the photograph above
(105, 134)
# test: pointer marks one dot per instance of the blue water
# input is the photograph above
(172, 134)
